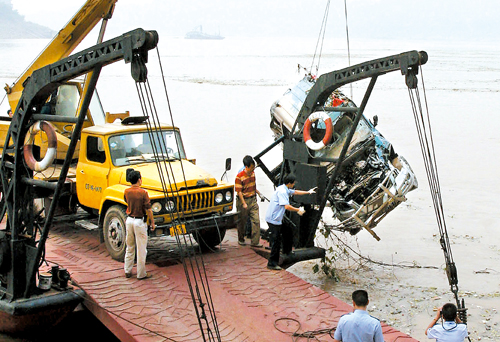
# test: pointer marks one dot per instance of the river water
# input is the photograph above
(220, 93)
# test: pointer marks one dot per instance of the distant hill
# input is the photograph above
(13, 25)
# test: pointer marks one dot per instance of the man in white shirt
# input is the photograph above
(358, 326)
(451, 328)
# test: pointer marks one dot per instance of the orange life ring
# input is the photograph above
(50, 155)
(307, 130)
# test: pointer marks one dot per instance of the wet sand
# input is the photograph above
(404, 274)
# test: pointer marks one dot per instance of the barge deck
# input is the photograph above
(251, 302)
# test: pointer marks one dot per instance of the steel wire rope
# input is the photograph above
(451, 269)
(321, 37)
(3, 98)
(348, 44)
(428, 152)
(429, 165)
(206, 288)
(171, 116)
(434, 158)
(430, 162)
(156, 144)
(179, 218)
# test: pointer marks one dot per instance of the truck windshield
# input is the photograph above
(144, 147)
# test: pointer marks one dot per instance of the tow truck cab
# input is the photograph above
(185, 196)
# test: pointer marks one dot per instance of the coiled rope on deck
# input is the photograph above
(309, 335)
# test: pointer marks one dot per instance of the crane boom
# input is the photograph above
(63, 44)
(407, 62)
(17, 181)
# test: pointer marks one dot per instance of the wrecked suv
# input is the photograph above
(373, 178)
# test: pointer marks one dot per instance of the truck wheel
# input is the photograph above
(210, 237)
(115, 232)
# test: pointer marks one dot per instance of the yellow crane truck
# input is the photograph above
(61, 148)
(107, 151)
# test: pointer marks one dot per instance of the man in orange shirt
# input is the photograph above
(139, 206)
(246, 202)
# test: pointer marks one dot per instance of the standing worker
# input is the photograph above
(246, 202)
(139, 206)
(451, 330)
(358, 326)
(280, 201)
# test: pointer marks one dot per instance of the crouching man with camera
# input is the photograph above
(451, 328)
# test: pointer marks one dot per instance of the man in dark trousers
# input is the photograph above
(280, 201)
(358, 326)
(139, 206)
(246, 202)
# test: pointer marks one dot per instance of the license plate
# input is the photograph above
(178, 230)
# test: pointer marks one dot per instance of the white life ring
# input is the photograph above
(50, 155)
(307, 130)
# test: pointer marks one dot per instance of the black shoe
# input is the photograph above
(275, 268)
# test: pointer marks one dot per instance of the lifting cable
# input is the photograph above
(194, 267)
(348, 44)
(321, 37)
(424, 131)
(427, 147)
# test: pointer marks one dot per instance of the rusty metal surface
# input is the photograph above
(248, 298)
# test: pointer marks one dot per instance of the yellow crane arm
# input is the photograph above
(63, 44)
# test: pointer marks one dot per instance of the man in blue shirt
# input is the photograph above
(280, 201)
(358, 326)
(451, 330)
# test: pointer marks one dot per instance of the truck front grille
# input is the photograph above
(196, 201)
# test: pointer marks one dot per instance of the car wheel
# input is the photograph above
(115, 232)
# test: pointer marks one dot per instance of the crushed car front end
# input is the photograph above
(373, 179)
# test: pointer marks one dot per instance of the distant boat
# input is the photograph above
(197, 33)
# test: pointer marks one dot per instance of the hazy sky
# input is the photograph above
(422, 19)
